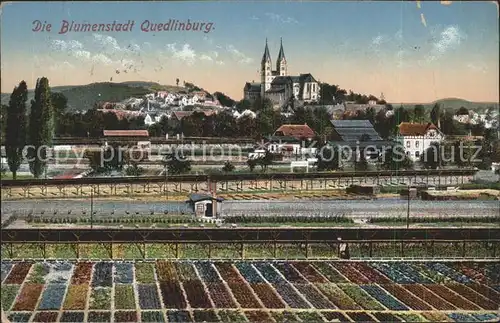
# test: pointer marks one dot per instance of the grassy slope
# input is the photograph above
(453, 104)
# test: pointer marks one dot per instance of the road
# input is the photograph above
(354, 209)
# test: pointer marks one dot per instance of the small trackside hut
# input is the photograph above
(205, 205)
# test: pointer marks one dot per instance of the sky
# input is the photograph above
(411, 51)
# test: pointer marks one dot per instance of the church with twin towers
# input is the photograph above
(276, 85)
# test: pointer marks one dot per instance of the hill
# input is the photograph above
(453, 104)
(83, 97)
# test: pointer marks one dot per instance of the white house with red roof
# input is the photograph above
(417, 137)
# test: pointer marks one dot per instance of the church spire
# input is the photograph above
(281, 54)
(266, 57)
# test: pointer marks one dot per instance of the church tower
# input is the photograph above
(281, 67)
(265, 72)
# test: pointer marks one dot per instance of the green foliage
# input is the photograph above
(462, 111)
(432, 157)
(419, 113)
(243, 105)
(251, 163)
(266, 160)
(41, 127)
(435, 114)
(328, 158)
(176, 164)
(134, 170)
(228, 167)
(394, 158)
(106, 159)
(224, 100)
(15, 127)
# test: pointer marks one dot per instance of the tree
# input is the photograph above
(402, 115)
(418, 113)
(177, 82)
(41, 127)
(432, 157)
(462, 111)
(462, 153)
(243, 105)
(361, 162)
(228, 167)
(266, 160)
(251, 163)
(265, 121)
(15, 132)
(436, 115)
(177, 164)
(394, 158)
(328, 158)
(224, 100)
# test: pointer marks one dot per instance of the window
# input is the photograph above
(417, 154)
(408, 144)
(416, 144)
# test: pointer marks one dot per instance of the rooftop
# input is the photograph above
(125, 133)
(297, 131)
(415, 129)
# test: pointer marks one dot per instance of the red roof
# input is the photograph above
(415, 129)
(297, 131)
(125, 133)
(179, 115)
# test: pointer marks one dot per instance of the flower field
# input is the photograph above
(246, 291)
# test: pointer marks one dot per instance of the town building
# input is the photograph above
(417, 137)
(282, 89)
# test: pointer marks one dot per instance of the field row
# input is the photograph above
(119, 288)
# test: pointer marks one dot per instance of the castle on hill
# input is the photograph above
(282, 89)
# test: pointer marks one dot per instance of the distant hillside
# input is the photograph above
(83, 97)
(454, 104)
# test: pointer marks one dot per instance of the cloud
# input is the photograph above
(477, 67)
(239, 56)
(76, 49)
(185, 54)
(280, 18)
(107, 42)
(61, 66)
(254, 18)
(64, 46)
(449, 38)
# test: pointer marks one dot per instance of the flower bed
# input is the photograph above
(360, 317)
(231, 316)
(186, 271)
(179, 316)
(72, 317)
(46, 317)
(9, 293)
(372, 274)
(290, 296)
(412, 273)
(27, 299)
(461, 317)
(472, 273)
(100, 298)
(124, 297)
(314, 297)
(455, 299)
(148, 296)
(99, 317)
(310, 317)
(19, 317)
(52, 297)
(485, 291)
(76, 297)
(406, 297)
(473, 296)
(244, 295)
(196, 295)
(220, 295)
(290, 273)
(335, 317)
(249, 273)
(447, 271)
(329, 272)
(205, 316)
(492, 317)
(361, 297)
(384, 298)
(385, 317)
(18, 273)
(269, 273)
(352, 274)
(82, 273)
(309, 273)
(258, 316)
(267, 295)
(5, 268)
(124, 273)
(172, 295)
(103, 275)
(144, 273)
(59, 272)
(229, 273)
(410, 317)
(338, 297)
(125, 316)
(152, 317)
(207, 272)
(392, 273)
(285, 316)
(433, 300)
(37, 273)
(165, 270)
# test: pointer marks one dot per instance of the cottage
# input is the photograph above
(205, 205)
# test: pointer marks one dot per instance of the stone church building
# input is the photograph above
(282, 89)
